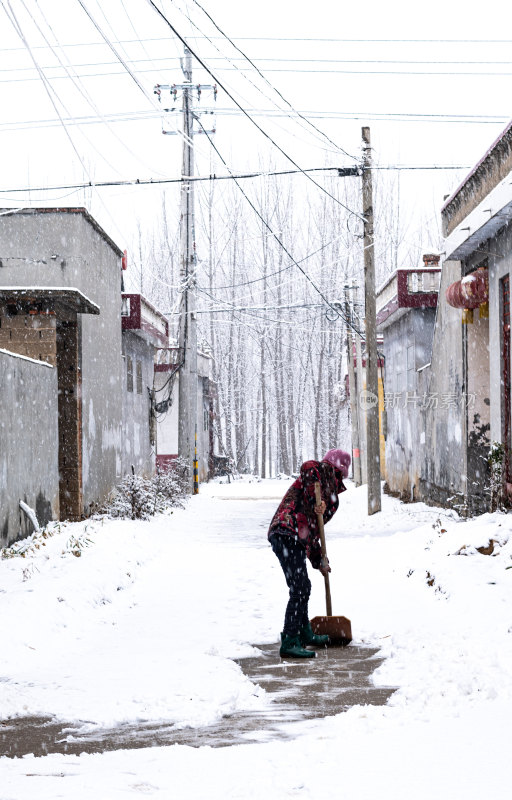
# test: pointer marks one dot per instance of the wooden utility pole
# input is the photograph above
(354, 413)
(187, 425)
(361, 413)
(371, 398)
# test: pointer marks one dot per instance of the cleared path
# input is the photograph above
(335, 680)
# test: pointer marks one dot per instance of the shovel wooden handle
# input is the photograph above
(320, 518)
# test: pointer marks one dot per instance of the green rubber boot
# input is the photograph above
(307, 637)
(292, 648)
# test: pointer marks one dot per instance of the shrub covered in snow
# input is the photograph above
(140, 498)
(496, 463)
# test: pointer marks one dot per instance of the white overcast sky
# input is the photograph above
(470, 77)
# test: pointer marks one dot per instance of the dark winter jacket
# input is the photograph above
(296, 513)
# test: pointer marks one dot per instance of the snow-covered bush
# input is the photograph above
(132, 499)
(140, 498)
(496, 463)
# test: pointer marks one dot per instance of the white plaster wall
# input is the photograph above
(167, 425)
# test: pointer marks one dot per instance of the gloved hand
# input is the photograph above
(324, 567)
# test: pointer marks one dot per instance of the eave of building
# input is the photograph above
(489, 216)
(488, 172)
(67, 210)
(66, 296)
(393, 311)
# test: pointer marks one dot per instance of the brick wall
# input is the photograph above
(32, 335)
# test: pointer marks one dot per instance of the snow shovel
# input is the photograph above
(338, 629)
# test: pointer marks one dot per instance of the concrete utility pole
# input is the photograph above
(354, 415)
(187, 340)
(372, 373)
(187, 413)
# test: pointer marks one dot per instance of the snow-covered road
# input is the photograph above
(144, 624)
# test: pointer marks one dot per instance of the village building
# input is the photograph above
(478, 244)
(83, 402)
(358, 427)
(145, 330)
(406, 312)
(61, 286)
(448, 355)
(167, 408)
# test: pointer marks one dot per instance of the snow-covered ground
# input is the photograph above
(143, 624)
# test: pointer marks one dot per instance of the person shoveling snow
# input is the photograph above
(294, 534)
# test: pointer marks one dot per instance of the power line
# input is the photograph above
(136, 116)
(52, 95)
(247, 77)
(117, 55)
(139, 85)
(246, 113)
(269, 84)
(232, 307)
(268, 59)
(281, 39)
(404, 73)
(244, 74)
(279, 271)
(342, 171)
(378, 72)
(67, 67)
(370, 41)
(278, 240)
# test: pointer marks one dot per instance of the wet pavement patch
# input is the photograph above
(335, 680)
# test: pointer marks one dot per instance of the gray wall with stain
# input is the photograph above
(52, 248)
(425, 441)
(137, 448)
(29, 468)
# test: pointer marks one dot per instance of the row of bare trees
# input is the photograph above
(278, 349)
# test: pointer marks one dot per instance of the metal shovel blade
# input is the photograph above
(338, 629)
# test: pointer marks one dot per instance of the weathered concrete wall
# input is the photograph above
(407, 347)
(442, 436)
(29, 468)
(59, 248)
(137, 448)
(426, 456)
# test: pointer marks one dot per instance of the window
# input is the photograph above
(129, 374)
(139, 377)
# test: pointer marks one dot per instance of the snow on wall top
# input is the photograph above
(26, 358)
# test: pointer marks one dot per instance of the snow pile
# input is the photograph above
(106, 637)
(144, 623)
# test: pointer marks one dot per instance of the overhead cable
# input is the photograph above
(215, 177)
(134, 116)
(277, 239)
(246, 113)
(52, 96)
(260, 73)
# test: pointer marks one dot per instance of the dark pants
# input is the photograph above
(292, 557)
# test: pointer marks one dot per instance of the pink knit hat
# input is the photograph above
(339, 459)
